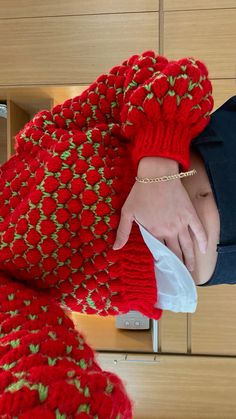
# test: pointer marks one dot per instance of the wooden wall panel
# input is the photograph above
(222, 91)
(209, 35)
(198, 4)
(176, 387)
(3, 140)
(69, 49)
(173, 332)
(16, 119)
(213, 325)
(32, 8)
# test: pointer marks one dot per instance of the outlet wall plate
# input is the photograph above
(133, 320)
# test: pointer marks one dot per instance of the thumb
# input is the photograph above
(123, 231)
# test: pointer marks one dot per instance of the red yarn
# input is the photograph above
(60, 200)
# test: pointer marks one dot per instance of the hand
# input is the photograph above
(166, 211)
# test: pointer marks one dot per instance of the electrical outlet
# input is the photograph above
(133, 320)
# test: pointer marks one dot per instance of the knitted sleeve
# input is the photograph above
(160, 105)
(46, 368)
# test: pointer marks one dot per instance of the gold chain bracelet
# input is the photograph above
(166, 178)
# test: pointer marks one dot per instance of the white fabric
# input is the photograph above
(176, 288)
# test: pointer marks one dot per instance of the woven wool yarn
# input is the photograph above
(60, 200)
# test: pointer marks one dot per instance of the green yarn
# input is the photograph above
(59, 415)
(43, 392)
(34, 348)
(7, 367)
(82, 364)
(150, 96)
(68, 349)
(84, 408)
(87, 392)
(77, 384)
(109, 387)
(13, 312)
(11, 297)
(15, 343)
(32, 316)
(52, 361)
(148, 87)
(52, 335)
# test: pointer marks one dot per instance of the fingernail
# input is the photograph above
(115, 246)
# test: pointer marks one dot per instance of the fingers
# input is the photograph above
(173, 244)
(123, 231)
(187, 248)
(198, 230)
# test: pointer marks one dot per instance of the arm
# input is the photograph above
(159, 106)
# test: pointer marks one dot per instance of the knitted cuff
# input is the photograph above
(169, 139)
(138, 277)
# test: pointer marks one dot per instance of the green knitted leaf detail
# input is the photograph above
(171, 80)
(14, 313)
(52, 335)
(7, 367)
(150, 96)
(196, 107)
(15, 343)
(77, 384)
(43, 392)
(71, 373)
(148, 87)
(65, 155)
(32, 316)
(191, 85)
(87, 392)
(118, 416)
(59, 320)
(136, 67)
(11, 297)
(83, 364)
(178, 100)
(183, 67)
(171, 93)
(133, 84)
(113, 104)
(83, 408)
(60, 415)
(68, 349)
(27, 302)
(34, 348)
(52, 361)
(16, 386)
(90, 302)
(44, 308)
(106, 219)
(109, 387)
(46, 122)
(16, 328)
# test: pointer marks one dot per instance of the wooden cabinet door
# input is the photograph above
(209, 35)
(176, 387)
(213, 326)
(72, 49)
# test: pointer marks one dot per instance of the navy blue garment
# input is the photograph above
(217, 146)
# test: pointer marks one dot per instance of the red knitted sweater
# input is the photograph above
(60, 201)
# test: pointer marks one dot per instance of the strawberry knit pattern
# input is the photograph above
(60, 200)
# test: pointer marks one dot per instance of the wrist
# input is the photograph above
(157, 166)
